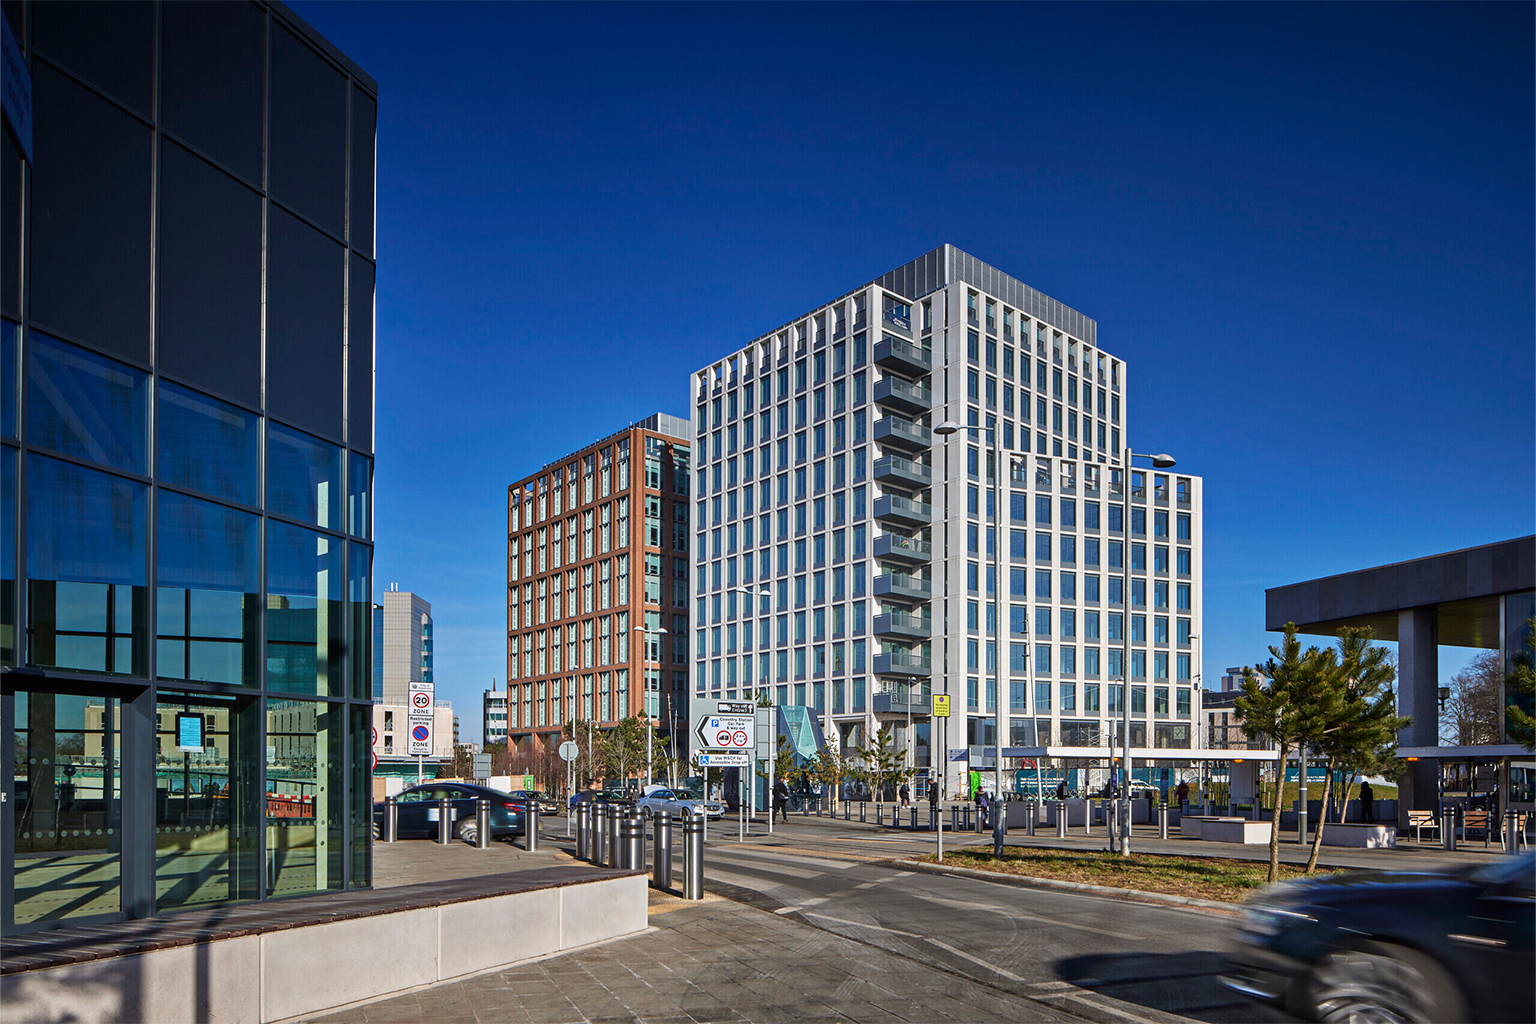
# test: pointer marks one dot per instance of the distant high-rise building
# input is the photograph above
(403, 624)
(598, 546)
(493, 716)
(1233, 679)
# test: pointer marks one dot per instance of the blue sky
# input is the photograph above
(1308, 229)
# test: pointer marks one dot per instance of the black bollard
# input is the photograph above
(483, 824)
(531, 826)
(661, 867)
(581, 831)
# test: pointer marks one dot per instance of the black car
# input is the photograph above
(1383, 946)
(419, 808)
(547, 804)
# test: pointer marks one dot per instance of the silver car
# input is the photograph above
(661, 800)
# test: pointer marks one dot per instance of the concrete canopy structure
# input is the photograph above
(1475, 597)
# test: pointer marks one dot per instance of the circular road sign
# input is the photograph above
(420, 733)
(738, 738)
(723, 738)
(568, 751)
(421, 700)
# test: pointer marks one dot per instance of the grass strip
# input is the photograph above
(1207, 878)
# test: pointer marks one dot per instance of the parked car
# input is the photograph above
(547, 804)
(661, 800)
(419, 807)
(1393, 946)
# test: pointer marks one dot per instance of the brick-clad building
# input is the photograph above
(597, 549)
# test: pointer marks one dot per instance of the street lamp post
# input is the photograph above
(758, 689)
(1160, 461)
(945, 429)
(645, 659)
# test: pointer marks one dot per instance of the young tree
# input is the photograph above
(829, 768)
(591, 765)
(1355, 709)
(1281, 711)
(624, 747)
(882, 763)
(1521, 687)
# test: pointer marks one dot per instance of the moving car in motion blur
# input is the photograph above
(420, 806)
(678, 803)
(547, 803)
(1379, 946)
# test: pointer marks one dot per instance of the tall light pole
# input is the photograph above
(645, 659)
(945, 429)
(758, 689)
(1160, 461)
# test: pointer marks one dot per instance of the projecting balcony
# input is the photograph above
(891, 353)
(895, 432)
(903, 549)
(893, 508)
(901, 626)
(902, 663)
(897, 393)
(901, 587)
(895, 471)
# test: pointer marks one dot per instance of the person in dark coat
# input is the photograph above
(780, 798)
(933, 794)
(1061, 790)
(906, 794)
(1367, 803)
(982, 806)
(1182, 795)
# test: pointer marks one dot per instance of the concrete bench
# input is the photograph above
(1236, 830)
(1368, 837)
(1191, 825)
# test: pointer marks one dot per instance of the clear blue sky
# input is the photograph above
(1307, 228)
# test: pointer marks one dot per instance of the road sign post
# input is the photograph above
(419, 724)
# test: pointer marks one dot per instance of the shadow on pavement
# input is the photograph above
(1181, 983)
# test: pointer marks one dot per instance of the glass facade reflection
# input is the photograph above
(186, 557)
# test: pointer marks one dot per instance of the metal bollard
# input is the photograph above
(914, 819)
(1511, 833)
(531, 826)
(981, 825)
(1087, 817)
(582, 837)
(483, 824)
(999, 827)
(661, 856)
(1162, 821)
(847, 811)
(390, 832)
(933, 818)
(861, 812)
(444, 822)
(693, 857)
(1061, 819)
(1031, 811)
(615, 844)
(599, 825)
(632, 838)
(1448, 827)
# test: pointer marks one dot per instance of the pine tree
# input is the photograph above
(1282, 711)
(1521, 683)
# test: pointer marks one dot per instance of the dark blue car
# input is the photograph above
(1375, 947)
(420, 807)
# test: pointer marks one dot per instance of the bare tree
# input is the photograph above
(1474, 711)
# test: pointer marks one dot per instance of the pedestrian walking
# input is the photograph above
(982, 806)
(906, 795)
(933, 794)
(1061, 790)
(780, 799)
(1182, 793)
(1367, 803)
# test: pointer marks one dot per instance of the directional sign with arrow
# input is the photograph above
(726, 732)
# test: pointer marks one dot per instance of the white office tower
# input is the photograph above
(845, 544)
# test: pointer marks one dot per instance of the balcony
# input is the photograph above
(891, 353)
(894, 471)
(893, 431)
(901, 626)
(902, 663)
(903, 697)
(893, 508)
(903, 549)
(898, 393)
(901, 587)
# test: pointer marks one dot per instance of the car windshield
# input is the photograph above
(662, 794)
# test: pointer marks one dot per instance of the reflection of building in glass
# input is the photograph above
(190, 336)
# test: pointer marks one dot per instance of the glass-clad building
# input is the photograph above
(186, 460)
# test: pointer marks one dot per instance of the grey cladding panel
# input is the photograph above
(932, 271)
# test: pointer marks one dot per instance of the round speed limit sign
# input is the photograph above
(421, 700)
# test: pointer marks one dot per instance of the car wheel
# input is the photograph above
(1383, 984)
(468, 831)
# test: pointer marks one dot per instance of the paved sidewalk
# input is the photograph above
(715, 960)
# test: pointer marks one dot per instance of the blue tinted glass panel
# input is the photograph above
(359, 495)
(303, 477)
(7, 556)
(304, 611)
(360, 618)
(86, 405)
(87, 605)
(208, 591)
(8, 393)
(207, 445)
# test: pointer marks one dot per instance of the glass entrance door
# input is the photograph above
(67, 818)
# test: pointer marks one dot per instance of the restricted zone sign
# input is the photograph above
(420, 741)
(421, 701)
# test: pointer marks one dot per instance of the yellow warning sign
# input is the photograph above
(941, 705)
